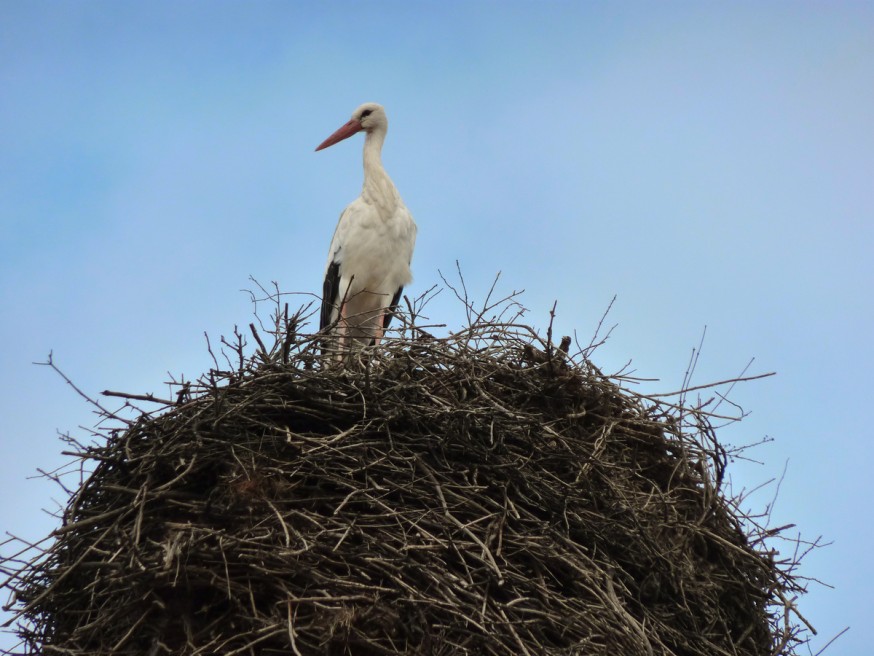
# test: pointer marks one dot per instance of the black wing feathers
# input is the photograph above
(330, 289)
(390, 312)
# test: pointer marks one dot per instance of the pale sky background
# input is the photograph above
(708, 163)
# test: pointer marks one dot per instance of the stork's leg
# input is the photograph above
(379, 333)
(378, 336)
(342, 330)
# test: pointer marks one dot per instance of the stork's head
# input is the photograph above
(369, 117)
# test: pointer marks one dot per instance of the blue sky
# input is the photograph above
(709, 164)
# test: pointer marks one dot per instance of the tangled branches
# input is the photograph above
(481, 493)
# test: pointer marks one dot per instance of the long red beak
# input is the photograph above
(344, 132)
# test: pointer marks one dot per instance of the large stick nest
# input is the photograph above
(481, 493)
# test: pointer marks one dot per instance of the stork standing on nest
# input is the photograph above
(369, 258)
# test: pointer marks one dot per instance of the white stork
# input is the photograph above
(369, 258)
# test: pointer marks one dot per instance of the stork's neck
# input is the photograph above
(378, 187)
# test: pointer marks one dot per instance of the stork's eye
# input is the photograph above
(366, 113)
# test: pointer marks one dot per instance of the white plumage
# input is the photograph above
(369, 258)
